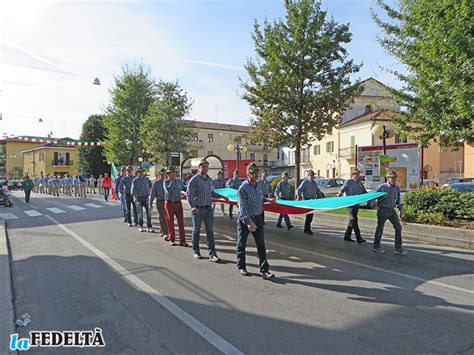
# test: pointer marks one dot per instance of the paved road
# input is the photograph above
(82, 267)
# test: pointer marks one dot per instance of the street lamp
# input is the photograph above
(237, 148)
(382, 133)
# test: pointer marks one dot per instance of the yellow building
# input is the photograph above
(335, 154)
(11, 158)
(469, 159)
(50, 159)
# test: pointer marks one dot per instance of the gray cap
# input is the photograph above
(252, 168)
(171, 169)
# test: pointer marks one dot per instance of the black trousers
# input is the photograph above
(307, 222)
(353, 223)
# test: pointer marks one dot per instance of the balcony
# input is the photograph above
(61, 162)
(347, 153)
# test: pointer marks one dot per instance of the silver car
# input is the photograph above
(330, 187)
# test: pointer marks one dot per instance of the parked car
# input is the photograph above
(463, 186)
(457, 180)
(330, 187)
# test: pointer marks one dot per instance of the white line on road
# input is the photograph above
(56, 210)
(8, 216)
(33, 213)
(93, 205)
(416, 278)
(76, 208)
(209, 335)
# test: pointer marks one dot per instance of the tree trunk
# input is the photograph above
(297, 159)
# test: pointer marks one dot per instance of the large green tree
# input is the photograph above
(300, 81)
(434, 41)
(91, 158)
(164, 129)
(132, 93)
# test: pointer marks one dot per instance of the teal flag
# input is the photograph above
(328, 203)
(113, 171)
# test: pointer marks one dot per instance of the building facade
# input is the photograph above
(335, 154)
(214, 138)
(52, 160)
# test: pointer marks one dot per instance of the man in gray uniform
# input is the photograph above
(386, 211)
(283, 192)
(125, 189)
(141, 188)
(233, 183)
(158, 193)
(353, 187)
(219, 183)
(308, 190)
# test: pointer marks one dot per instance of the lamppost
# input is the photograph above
(237, 148)
(382, 133)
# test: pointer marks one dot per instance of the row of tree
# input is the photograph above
(145, 119)
(299, 83)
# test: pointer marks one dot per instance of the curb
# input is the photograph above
(433, 235)
(7, 313)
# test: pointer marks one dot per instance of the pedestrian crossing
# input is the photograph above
(56, 210)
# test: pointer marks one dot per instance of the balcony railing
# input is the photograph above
(60, 162)
(347, 153)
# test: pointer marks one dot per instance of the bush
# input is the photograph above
(438, 206)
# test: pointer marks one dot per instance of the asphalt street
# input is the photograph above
(77, 266)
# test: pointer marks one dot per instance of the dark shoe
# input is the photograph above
(267, 275)
(183, 243)
(378, 250)
(290, 226)
(279, 226)
(197, 255)
(130, 225)
(172, 243)
(166, 238)
(214, 258)
(349, 240)
(400, 251)
(244, 272)
(309, 231)
(361, 240)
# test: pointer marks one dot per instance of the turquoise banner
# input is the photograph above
(328, 203)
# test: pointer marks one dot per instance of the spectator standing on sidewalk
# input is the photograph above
(27, 187)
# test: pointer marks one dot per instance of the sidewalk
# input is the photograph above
(429, 234)
(6, 294)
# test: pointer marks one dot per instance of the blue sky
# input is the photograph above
(203, 44)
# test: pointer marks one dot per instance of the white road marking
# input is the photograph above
(33, 213)
(56, 210)
(209, 335)
(76, 208)
(416, 278)
(93, 205)
(8, 216)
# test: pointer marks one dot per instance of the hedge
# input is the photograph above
(437, 206)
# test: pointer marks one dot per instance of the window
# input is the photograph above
(319, 173)
(334, 174)
(353, 141)
(368, 109)
(316, 149)
(210, 137)
(210, 152)
(195, 137)
(330, 147)
(41, 156)
(252, 156)
(265, 159)
(327, 173)
(278, 154)
(400, 138)
(306, 155)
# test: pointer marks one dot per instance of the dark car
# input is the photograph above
(463, 186)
